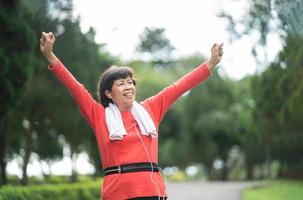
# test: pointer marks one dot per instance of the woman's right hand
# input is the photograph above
(47, 41)
(216, 55)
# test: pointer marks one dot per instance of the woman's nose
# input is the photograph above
(129, 86)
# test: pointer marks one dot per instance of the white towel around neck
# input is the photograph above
(115, 125)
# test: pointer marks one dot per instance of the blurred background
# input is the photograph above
(243, 123)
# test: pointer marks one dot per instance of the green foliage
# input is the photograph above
(277, 92)
(248, 136)
(149, 80)
(27, 82)
(16, 60)
(50, 180)
(154, 42)
(81, 191)
(210, 122)
(289, 88)
(16, 53)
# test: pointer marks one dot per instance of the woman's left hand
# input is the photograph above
(216, 55)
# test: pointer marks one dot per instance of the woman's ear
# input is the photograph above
(107, 93)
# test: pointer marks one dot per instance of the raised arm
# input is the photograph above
(161, 102)
(82, 97)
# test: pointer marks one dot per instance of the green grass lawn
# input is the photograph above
(280, 190)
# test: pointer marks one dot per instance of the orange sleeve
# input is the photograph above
(82, 97)
(161, 102)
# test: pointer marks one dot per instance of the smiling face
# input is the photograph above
(123, 93)
(117, 85)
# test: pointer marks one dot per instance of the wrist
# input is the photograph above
(210, 65)
(50, 58)
(48, 55)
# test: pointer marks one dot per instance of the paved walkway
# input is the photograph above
(207, 190)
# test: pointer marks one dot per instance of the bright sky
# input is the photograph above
(191, 26)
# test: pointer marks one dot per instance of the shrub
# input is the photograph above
(76, 191)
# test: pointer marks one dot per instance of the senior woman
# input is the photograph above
(127, 131)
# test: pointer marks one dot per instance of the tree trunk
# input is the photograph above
(268, 158)
(249, 171)
(208, 169)
(74, 164)
(28, 151)
(224, 175)
(45, 174)
(3, 178)
(49, 164)
(98, 170)
(281, 169)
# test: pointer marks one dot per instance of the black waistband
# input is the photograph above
(149, 198)
(132, 167)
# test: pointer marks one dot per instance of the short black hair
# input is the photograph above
(108, 78)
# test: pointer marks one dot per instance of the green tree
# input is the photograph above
(154, 42)
(43, 97)
(16, 55)
(278, 90)
(27, 140)
(290, 94)
(249, 137)
(211, 123)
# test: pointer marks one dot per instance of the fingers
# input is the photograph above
(50, 37)
(216, 55)
(221, 49)
(46, 42)
(41, 41)
(217, 46)
(217, 49)
(43, 37)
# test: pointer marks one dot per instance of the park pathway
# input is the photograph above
(207, 190)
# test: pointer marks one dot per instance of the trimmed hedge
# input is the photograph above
(75, 191)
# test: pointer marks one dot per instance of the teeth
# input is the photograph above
(128, 94)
